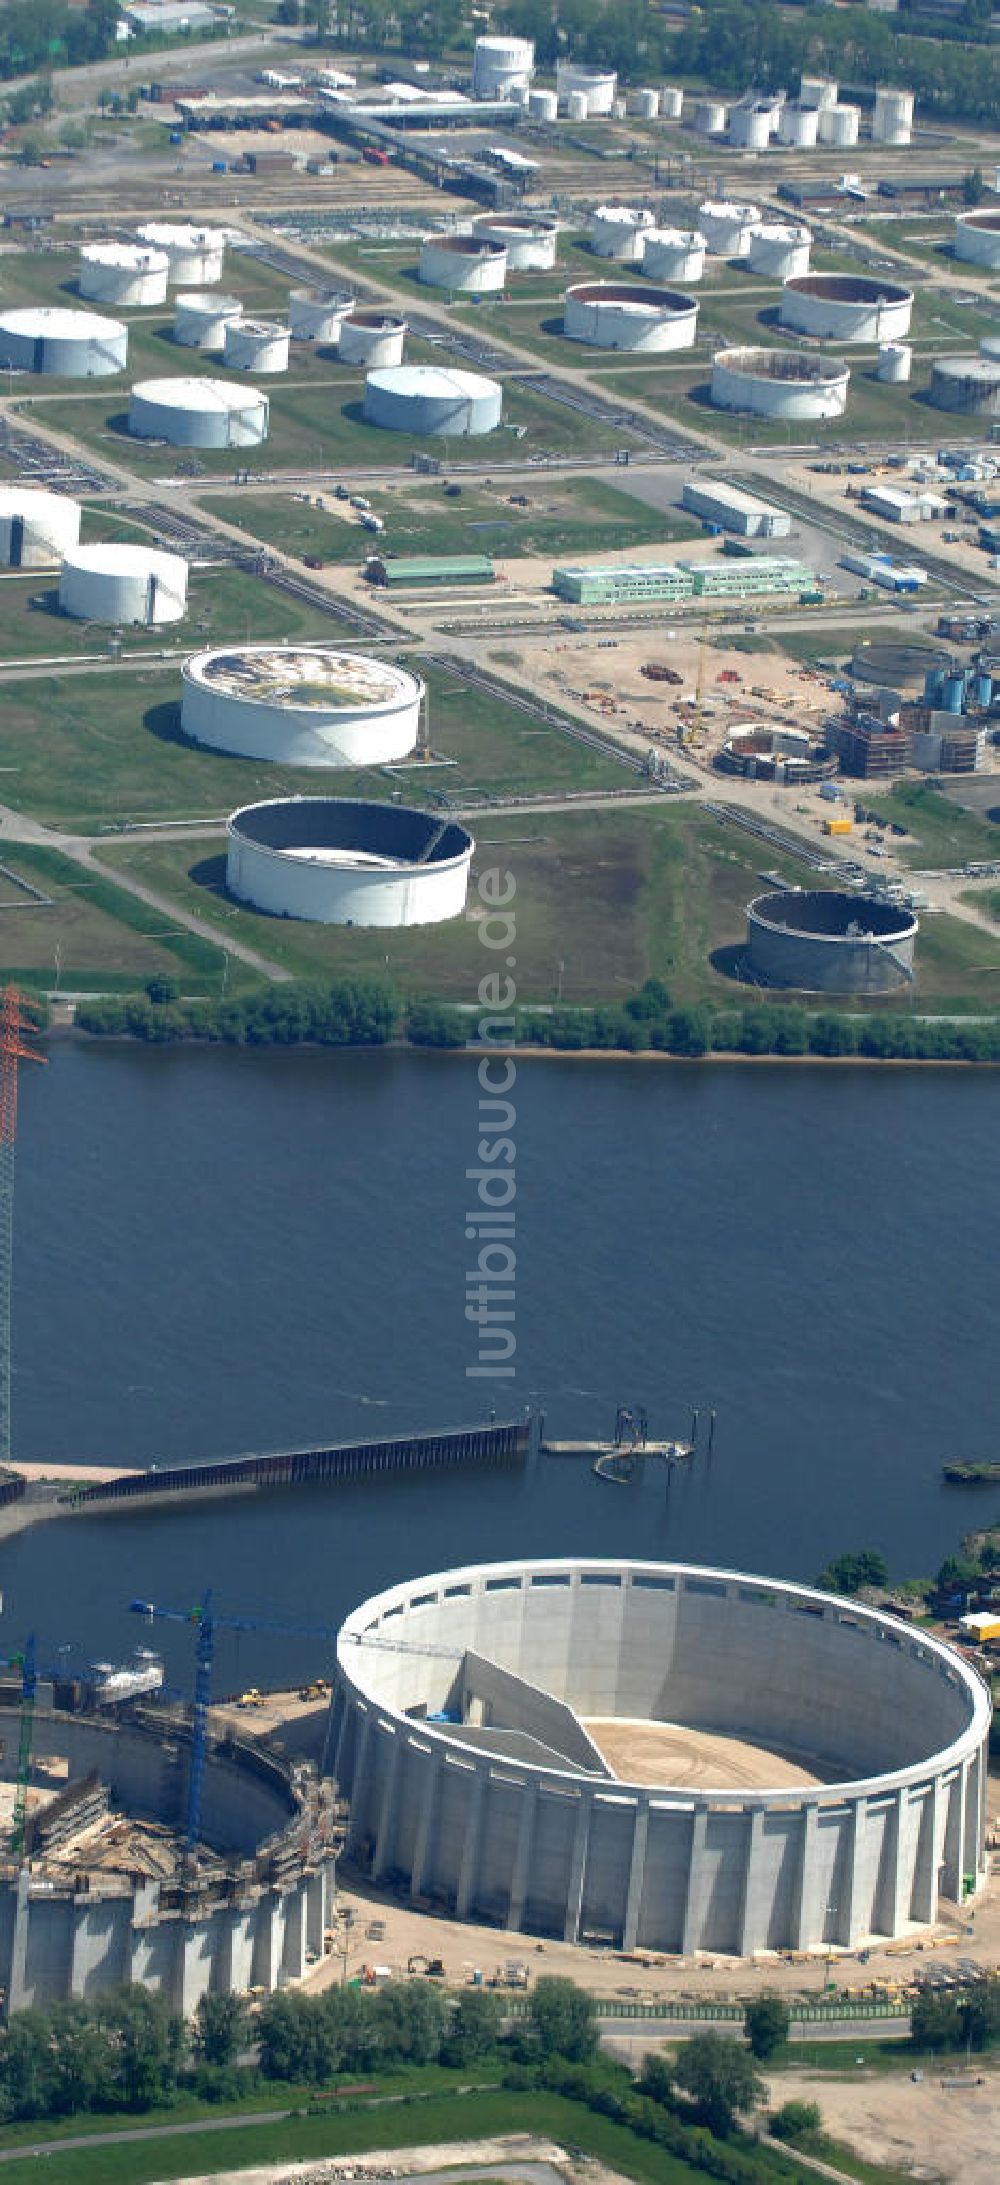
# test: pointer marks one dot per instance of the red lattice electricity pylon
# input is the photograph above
(14, 1023)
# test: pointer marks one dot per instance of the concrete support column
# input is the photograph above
(578, 1866)
(18, 1998)
(636, 1876)
(359, 1788)
(79, 1951)
(293, 1941)
(899, 1865)
(854, 1922)
(926, 1863)
(384, 1833)
(808, 1918)
(422, 1846)
(241, 1943)
(694, 1909)
(190, 1968)
(316, 1919)
(468, 1872)
(750, 1937)
(954, 1838)
(522, 1858)
(340, 1737)
(267, 1933)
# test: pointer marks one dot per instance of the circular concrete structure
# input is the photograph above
(659, 1756)
(618, 231)
(468, 265)
(728, 227)
(122, 273)
(529, 240)
(501, 66)
(432, 399)
(195, 254)
(783, 755)
(977, 239)
(36, 528)
(201, 317)
(846, 307)
(779, 250)
(779, 383)
(336, 862)
(674, 254)
(69, 344)
(256, 345)
(371, 337)
(127, 584)
(614, 315)
(968, 385)
(822, 941)
(198, 413)
(316, 314)
(305, 705)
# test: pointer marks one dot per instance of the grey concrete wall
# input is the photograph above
(147, 1774)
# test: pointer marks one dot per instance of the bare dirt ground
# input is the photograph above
(517, 2159)
(666, 1752)
(944, 2126)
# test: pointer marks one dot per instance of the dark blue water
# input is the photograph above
(222, 1252)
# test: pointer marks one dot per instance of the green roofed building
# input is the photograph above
(744, 578)
(404, 569)
(625, 583)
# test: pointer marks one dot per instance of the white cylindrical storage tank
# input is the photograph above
(970, 386)
(502, 65)
(200, 319)
(782, 383)
(674, 254)
(895, 362)
(595, 86)
(616, 231)
(846, 307)
(577, 107)
(838, 125)
(432, 398)
(892, 121)
(779, 250)
(371, 337)
(727, 228)
(798, 125)
(646, 103)
(256, 345)
(340, 862)
(315, 314)
(671, 103)
(122, 274)
(990, 345)
(710, 118)
(36, 528)
(977, 239)
(68, 344)
(543, 105)
(818, 91)
(468, 265)
(198, 413)
(529, 239)
(123, 584)
(750, 124)
(195, 254)
(301, 705)
(613, 315)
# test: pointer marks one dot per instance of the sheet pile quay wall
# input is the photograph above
(486, 1445)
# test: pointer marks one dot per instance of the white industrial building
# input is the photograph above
(338, 862)
(977, 239)
(68, 344)
(529, 239)
(593, 87)
(674, 254)
(618, 231)
(735, 510)
(316, 314)
(256, 345)
(502, 66)
(892, 120)
(123, 584)
(198, 413)
(124, 274)
(615, 315)
(543, 105)
(201, 317)
(779, 250)
(846, 307)
(900, 506)
(782, 383)
(372, 338)
(728, 228)
(302, 705)
(671, 102)
(432, 399)
(467, 265)
(644, 102)
(883, 569)
(36, 528)
(195, 254)
(484, 1720)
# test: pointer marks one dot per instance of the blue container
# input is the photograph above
(933, 686)
(218, 166)
(983, 689)
(953, 693)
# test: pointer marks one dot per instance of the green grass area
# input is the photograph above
(875, 411)
(841, 2058)
(222, 603)
(92, 937)
(939, 832)
(564, 516)
(49, 276)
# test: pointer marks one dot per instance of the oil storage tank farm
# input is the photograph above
(36, 528)
(469, 265)
(786, 383)
(658, 1756)
(846, 307)
(822, 941)
(674, 254)
(337, 862)
(122, 584)
(69, 344)
(779, 250)
(432, 399)
(529, 239)
(977, 239)
(201, 317)
(371, 337)
(123, 274)
(198, 413)
(727, 228)
(195, 255)
(618, 231)
(303, 705)
(617, 315)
